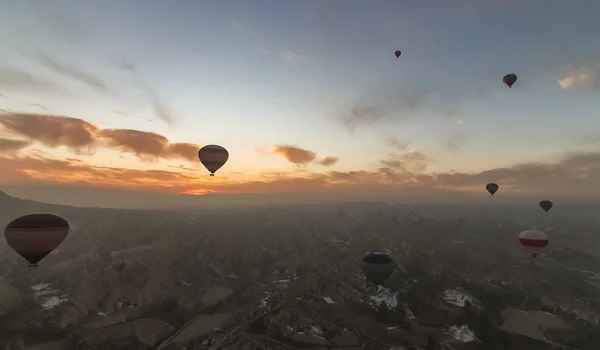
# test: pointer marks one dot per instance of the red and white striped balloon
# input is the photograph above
(534, 241)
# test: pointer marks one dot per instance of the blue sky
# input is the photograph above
(252, 74)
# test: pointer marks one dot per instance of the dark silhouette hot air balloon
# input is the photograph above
(509, 79)
(534, 241)
(213, 157)
(36, 235)
(397, 53)
(546, 205)
(492, 188)
(377, 267)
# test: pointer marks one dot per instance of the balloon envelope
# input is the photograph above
(213, 157)
(36, 235)
(533, 240)
(546, 205)
(377, 267)
(509, 79)
(492, 188)
(397, 53)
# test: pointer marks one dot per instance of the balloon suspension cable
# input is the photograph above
(35, 266)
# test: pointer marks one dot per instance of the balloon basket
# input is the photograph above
(212, 174)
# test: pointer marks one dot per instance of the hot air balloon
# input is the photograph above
(492, 188)
(397, 53)
(377, 267)
(509, 79)
(546, 205)
(533, 240)
(36, 235)
(213, 157)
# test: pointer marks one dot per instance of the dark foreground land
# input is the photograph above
(288, 277)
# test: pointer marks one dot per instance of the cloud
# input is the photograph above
(300, 156)
(293, 57)
(295, 154)
(51, 130)
(148, 145)
(238, 27)
(16, 79)
(127, 66)
(412, 161)
(578, 77)
(79, 136)
(590, 138)
(10, 145)
(40, 106)
(576, 174)
(328, 161)
(161, 108)
(395, 101)
(399, 145)
(454, 141)
(73, 72)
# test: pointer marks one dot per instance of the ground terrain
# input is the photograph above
(288, 277)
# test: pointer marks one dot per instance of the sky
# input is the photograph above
(307, 96)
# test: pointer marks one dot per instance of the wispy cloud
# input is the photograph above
(238, 27)
(328, 161)
(16, 79)
(162, 110)
(578, 77)
(73, 72)
(399, 145)
(127, 66)
(292, 57)
(395, 102)
(454, 140)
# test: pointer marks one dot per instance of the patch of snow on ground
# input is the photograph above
(384, 295)
(462, 333)
(328, 300)
(48, 297)
(317, 331)
(409, 313)
(41, 286)
(264, 302)
(458, 297)
(53, 301)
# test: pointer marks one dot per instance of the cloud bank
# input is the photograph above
(81, 136)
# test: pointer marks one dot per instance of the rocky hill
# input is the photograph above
(287, 277)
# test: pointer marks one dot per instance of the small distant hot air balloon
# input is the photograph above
(546, 205)
(534, 241)
(377, 267)
(492, 188)
(36, 235)
(397, 53)
(213, 157)
(509, 79)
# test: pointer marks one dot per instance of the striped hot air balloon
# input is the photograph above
(213, 157)
(34, 236)
(534, 241)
